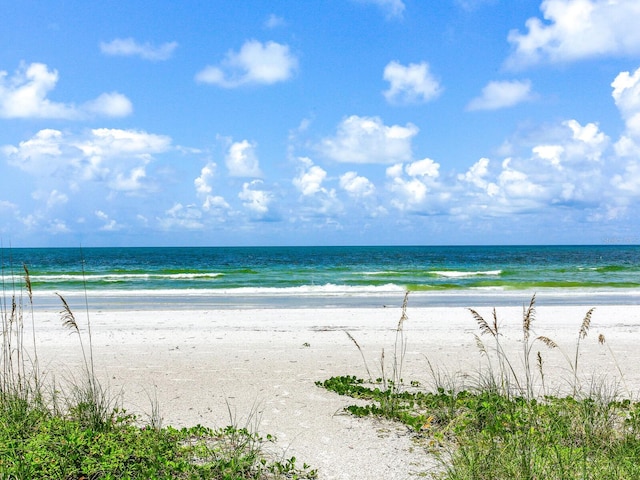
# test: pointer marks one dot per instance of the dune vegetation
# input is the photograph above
(80, 431)
(504, 422)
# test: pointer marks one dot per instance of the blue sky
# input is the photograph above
(319, 122)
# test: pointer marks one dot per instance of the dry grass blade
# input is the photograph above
(27, 281)
(361, 352)
(352, 339)
(547, 341)
(67, 317)
(480, 345)
(539, 361)
(403, 316)
(529, 316)
(495, 321)
(586, 323)
(485, 328)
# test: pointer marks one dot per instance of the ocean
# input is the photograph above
(263, 277)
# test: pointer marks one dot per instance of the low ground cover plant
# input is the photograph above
(505, 424)
(82, 433)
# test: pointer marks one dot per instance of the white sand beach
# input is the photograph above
(263, 365)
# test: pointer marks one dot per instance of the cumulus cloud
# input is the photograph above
(216, 203)
(24, 95)
(577, 29)
(411, 193)
(109, 225)
(242, 161)
(410, 84)
(626, 94)
(310, 177)
(112, 104)
(392, 8)
(423, 168)
(502, 94)
(255, 200)
(368, 140)
(256, 63)
(315, 200)
(113, 156)
(568, 171)
(204, 189)
(203, 182)
(356, 186)
(519, 187)
(181, 217)
(131, 181)
(128, 47)
(477, 175)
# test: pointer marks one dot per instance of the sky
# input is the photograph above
(319, 122)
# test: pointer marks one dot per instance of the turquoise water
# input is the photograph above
(259, 275)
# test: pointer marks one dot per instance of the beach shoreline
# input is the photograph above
(202, 299)
(262, 364)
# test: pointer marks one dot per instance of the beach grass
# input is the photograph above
(502, 422)
(81, 432)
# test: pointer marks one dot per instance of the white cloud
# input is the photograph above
(181, 217)
(57, 226)
(255, 63)
(521, 190)
(242, 161)
(24, 95)
(52, 198)
(423, 168)
(578, 29)
(41, 154)
(109, 225)
(393, 8)
(496, 95)
(316, 200)
(356, 186)
(549, 153)
(470, 5)
(368, 140)
(130, 181)
(203, 182)
(477, 175)
(112, 104)
(626, 94)
(10, 206)
(587, 142)
(628, 182)
(204, 188)
(570, 170)
(255, 200)
(579, 146)
(310, 178)
(410, 84)
(411, 193)
(274, 21)
(128, 47)
(215, 203)
(113, 156)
